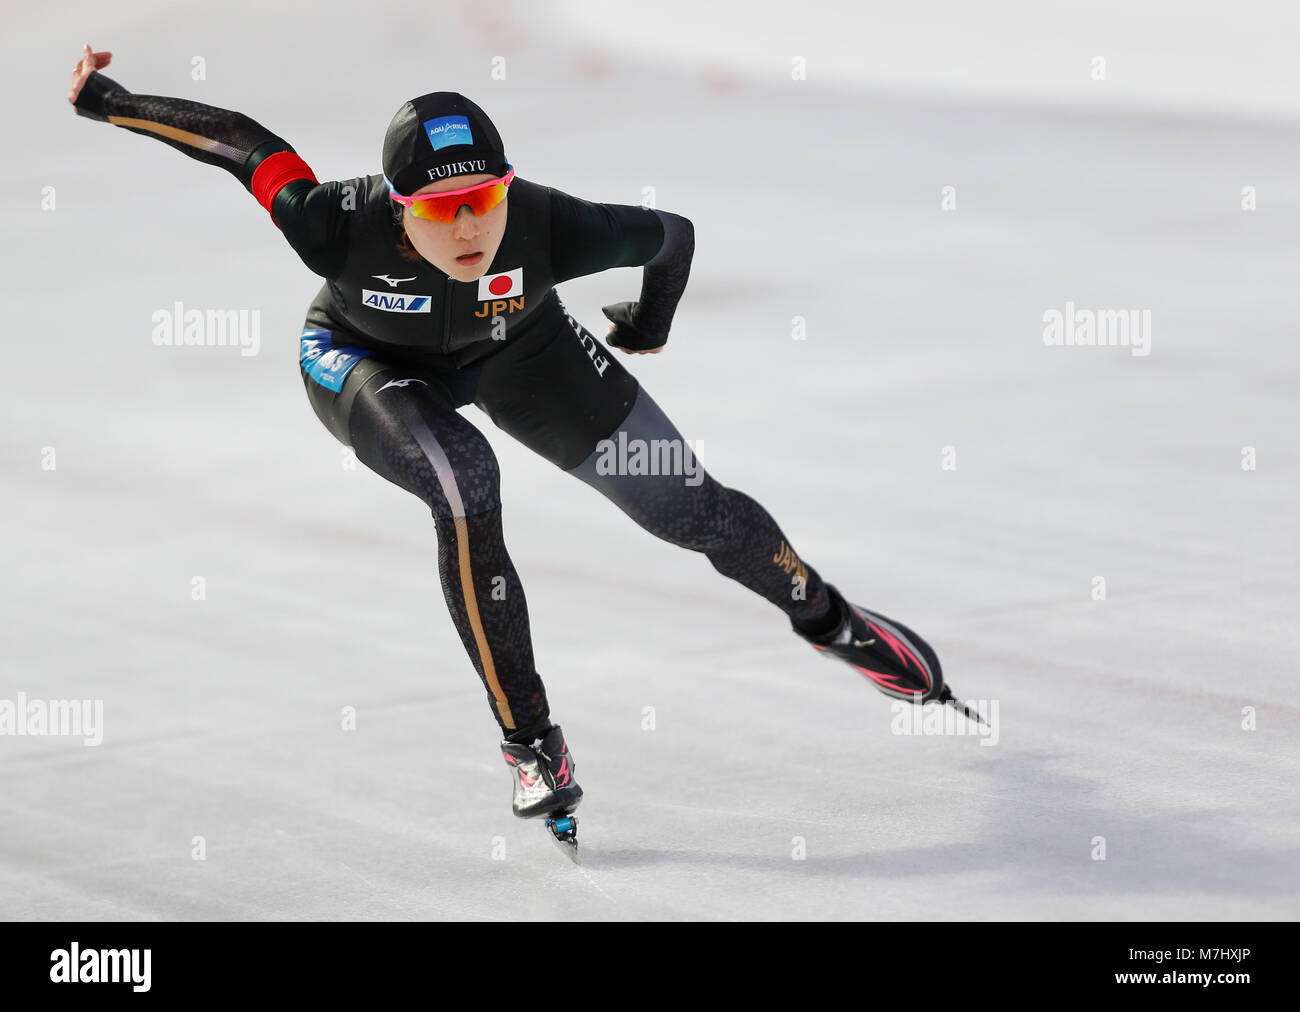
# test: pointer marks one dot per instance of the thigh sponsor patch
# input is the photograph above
(324, 363)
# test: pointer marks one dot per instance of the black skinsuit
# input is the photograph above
(391, 348)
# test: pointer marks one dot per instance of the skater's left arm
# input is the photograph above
(588, 237)
(643, 325)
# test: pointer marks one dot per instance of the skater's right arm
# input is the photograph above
(310, 214)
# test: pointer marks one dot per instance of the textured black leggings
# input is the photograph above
(584, 412)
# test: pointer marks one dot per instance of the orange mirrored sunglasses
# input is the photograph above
(444, 207)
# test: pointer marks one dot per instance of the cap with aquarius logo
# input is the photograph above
(439, 135)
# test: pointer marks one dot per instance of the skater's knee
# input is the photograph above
(452, 469)
(696, 517)
(461, 476)
(714, 519)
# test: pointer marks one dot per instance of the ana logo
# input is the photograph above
(448, 130)
(501, 293)
(394, 302)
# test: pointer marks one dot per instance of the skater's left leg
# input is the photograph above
(670, 494)
(563, 396)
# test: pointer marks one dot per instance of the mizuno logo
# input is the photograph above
(392, 282)
(400, 383)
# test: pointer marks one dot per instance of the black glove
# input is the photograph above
(91, 98)
(626, 332)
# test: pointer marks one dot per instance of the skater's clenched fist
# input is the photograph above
(632, 351)
(624, 333)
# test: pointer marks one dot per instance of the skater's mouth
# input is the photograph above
(469, 259)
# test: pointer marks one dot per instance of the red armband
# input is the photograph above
(274, 172)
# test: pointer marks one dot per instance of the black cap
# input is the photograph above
(439, 135)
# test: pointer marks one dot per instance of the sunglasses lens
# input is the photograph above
(427, 210)
(444, 209)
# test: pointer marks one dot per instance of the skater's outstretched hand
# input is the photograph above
(89, 62)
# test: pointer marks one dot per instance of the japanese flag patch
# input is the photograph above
(501, 286)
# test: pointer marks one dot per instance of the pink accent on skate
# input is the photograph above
(880, 677)
(562, 775)
(903, 653)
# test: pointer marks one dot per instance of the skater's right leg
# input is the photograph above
(402, 424)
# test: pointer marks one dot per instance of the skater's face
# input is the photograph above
(442, 244)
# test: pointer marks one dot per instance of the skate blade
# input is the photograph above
(947, 697)
(563, 831)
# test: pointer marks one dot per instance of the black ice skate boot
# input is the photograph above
(897, 661)
(543, 769)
